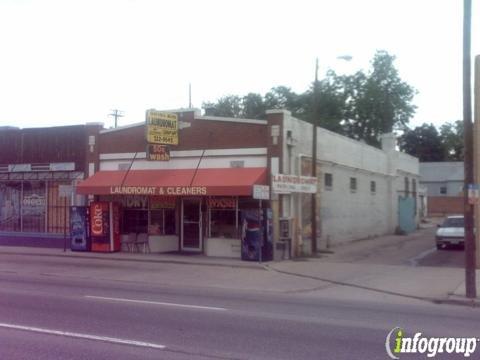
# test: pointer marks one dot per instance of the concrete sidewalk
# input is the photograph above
(324, 276)
(191, 259)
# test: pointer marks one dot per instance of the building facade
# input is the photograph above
(38, 170)
(442, 178)
(202, 199)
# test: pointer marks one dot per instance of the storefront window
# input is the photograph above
(57, 209)
(135, 221)
(223, 217)
(33, 206)
(10, 206)
(162, 216)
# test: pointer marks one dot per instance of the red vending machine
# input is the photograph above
(105, 226)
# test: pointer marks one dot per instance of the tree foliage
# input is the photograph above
(452, 139)
(423, 142)
(378, 102)
(362, 105)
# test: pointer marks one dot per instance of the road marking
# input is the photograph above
(415, 260)
(198, 307)
(82, 336)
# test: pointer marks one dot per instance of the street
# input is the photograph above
(195, 323)
(55, 307)
(417, 249)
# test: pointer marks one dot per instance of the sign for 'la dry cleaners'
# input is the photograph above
(161, 127)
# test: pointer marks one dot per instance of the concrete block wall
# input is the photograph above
(347, 215)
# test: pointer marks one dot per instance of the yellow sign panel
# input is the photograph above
(162, 127)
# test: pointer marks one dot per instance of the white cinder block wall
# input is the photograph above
(345, 214)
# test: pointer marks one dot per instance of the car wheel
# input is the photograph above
(439, 247)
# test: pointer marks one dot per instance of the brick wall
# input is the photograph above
(445, 205)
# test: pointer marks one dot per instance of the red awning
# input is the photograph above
(176, 182)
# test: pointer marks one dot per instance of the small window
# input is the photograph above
(414, 187)
(328, 181)
(373, 187)
(407, 183)
(443, 190)
(353, 184)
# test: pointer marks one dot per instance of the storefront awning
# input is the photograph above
(175, 182)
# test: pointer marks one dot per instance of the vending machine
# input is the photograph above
(79, 228)
(105, 226)
(257, 229)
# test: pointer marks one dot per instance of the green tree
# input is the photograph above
(423, 142)
(228, 106)
(452, 139)
(282, 97)
(253, 106)
(378, 102)
(330, 103)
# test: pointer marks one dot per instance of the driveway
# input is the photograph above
(417, 249)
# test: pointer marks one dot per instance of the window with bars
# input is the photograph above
(353, 184)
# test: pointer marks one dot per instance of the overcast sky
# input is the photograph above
(71, 62)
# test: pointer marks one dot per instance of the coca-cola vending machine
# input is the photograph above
(105, 226)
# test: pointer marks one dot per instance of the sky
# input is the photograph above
(71, 62)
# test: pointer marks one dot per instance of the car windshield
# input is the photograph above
(453, 222)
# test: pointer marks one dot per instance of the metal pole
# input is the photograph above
(314, 161)
(476, 157)
(64, 224)
(470, 281)
(260, 231)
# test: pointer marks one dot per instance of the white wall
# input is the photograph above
(218, 158)
(347, 215)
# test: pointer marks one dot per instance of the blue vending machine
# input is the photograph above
(79, 228)
(257, 242)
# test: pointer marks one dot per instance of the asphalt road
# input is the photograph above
(44, 317)
(418, 249)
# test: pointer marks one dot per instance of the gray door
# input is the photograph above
(406, 214)
(191, 225)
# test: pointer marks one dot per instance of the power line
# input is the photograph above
(116, 114)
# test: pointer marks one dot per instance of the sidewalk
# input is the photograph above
(337, 276)
(191, 259)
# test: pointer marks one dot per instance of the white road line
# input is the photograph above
(82, 336)
(198, 307)
(415, 260)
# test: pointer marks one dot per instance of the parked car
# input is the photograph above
(451, 232)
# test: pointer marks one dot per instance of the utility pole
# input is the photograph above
(189, 95)
(314, 159)
(470, 266)
(476, 150)
(116, 114)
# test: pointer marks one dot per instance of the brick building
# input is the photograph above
(198, 200)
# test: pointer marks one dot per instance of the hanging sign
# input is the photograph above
(162, 127)
(261, 192)
(222, 202)
(162, 202)
(286, 184)
(158, 152)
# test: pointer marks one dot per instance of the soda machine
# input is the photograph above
(105, 226)
(79, 228)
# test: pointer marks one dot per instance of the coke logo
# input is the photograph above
(97, 220)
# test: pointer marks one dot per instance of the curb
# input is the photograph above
(451, 300)
(164, 261)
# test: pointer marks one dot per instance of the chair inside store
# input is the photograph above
(142, 243)
(128, 242)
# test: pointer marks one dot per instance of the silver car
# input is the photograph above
(451, 232)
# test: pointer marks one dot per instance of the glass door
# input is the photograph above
(191, 225)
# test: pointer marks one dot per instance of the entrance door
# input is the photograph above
(191, 225)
